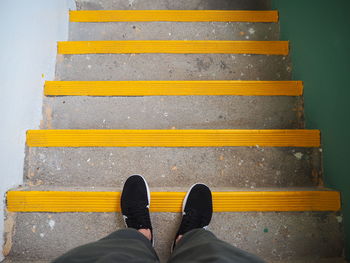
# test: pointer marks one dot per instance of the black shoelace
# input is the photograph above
(191, 220)
(138, 218)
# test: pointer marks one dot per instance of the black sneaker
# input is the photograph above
(197, 210)
(134, 203)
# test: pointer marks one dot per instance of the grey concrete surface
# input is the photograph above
(173, 67)
(277, 237)
(169, 112)
(173, 31)
(273, 236)
(247, 167)
(170, 4)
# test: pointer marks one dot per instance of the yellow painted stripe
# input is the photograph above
(59, 201)
(172, 138)
(173, 16)
(174, 46)
(176, 88)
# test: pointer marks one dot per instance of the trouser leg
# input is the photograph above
(126, 245)
(200, 245)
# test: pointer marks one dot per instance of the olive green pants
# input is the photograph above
(129, 245)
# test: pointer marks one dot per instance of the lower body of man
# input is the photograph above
(193, 243)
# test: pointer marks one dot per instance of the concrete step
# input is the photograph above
(173, 5)
(275, 236)
(167, 112)
(172, 67)
(269, 112)
(173, 31)
(221, 167)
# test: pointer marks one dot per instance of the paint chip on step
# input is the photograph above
(52, 224)
(298, 155)
(251, 31)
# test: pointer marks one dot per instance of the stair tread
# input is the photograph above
(232, 166)
(172, 67)
(167, 112)
(296, 235)
(173, 31)
(172, 5)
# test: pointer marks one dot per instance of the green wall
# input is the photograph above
(319, 32)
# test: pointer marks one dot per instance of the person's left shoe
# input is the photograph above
(135, 202)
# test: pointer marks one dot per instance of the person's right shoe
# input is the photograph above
(134, 202)
(197, 210)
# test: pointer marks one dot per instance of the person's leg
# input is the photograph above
(200, 245)
(128, 245)
(125, 245)
(193, 243)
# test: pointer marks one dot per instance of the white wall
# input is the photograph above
(29, 30)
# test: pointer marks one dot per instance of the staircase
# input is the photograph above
(179, 97)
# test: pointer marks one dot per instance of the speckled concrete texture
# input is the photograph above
(303, 237)
(172, 67)
(173, 31)
(175, 5)
(273, 236)
(173, 112)
(247, 167)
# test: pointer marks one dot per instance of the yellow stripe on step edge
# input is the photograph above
(174, 88)
(56, 201)
(172, 138)
(173, 16)
(174, 46)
